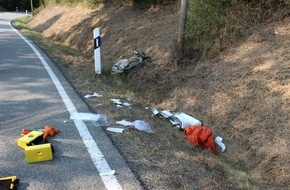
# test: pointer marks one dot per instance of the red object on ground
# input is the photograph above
(200, 136)
(49, 131)
(25, 131)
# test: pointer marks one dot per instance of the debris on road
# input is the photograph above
(36, 147)
(49, 131)
(29, 139)
(9, 183)
(97, 119)
(38, 153)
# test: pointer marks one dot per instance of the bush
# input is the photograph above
(213, 24)
(207, 27)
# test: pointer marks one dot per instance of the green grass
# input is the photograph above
(21, 23)
(213, 25)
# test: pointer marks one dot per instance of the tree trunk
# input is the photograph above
(31, 3)
(182, 21)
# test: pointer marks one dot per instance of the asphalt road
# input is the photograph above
(34, 93)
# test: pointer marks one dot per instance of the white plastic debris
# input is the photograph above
(184, 120)
(115, 130)
(93, 95)
(98, 119)
(154, 111)
(178, 119)
(166, 113)
(125, 123)
(120, 103)
(218, 140)
(126, 104)
(142, 126)
(116, 101)
(138, 124)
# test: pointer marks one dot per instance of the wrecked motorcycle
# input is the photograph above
(124, 64)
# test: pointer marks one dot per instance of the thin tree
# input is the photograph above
(182, 22)
(31, 3)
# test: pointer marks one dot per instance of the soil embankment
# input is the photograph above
(243, 95)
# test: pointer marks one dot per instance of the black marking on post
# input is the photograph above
(97, 42)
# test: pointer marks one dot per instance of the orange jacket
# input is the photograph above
(200, 136)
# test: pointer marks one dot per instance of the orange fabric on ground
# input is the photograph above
(49, 131)
(200, 135)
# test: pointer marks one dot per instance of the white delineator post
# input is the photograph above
(97, 50)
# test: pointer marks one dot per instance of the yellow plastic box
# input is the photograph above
(28, 139)
(38, 153)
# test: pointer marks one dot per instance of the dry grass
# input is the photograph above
(243, 96)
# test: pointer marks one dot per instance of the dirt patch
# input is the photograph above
(243, 96)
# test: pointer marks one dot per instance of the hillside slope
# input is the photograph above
(243, 95)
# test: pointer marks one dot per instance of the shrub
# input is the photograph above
(207, 27)
(213, 24)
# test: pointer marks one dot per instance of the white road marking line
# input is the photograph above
(101, 164)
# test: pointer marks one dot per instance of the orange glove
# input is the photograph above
(49, 131)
